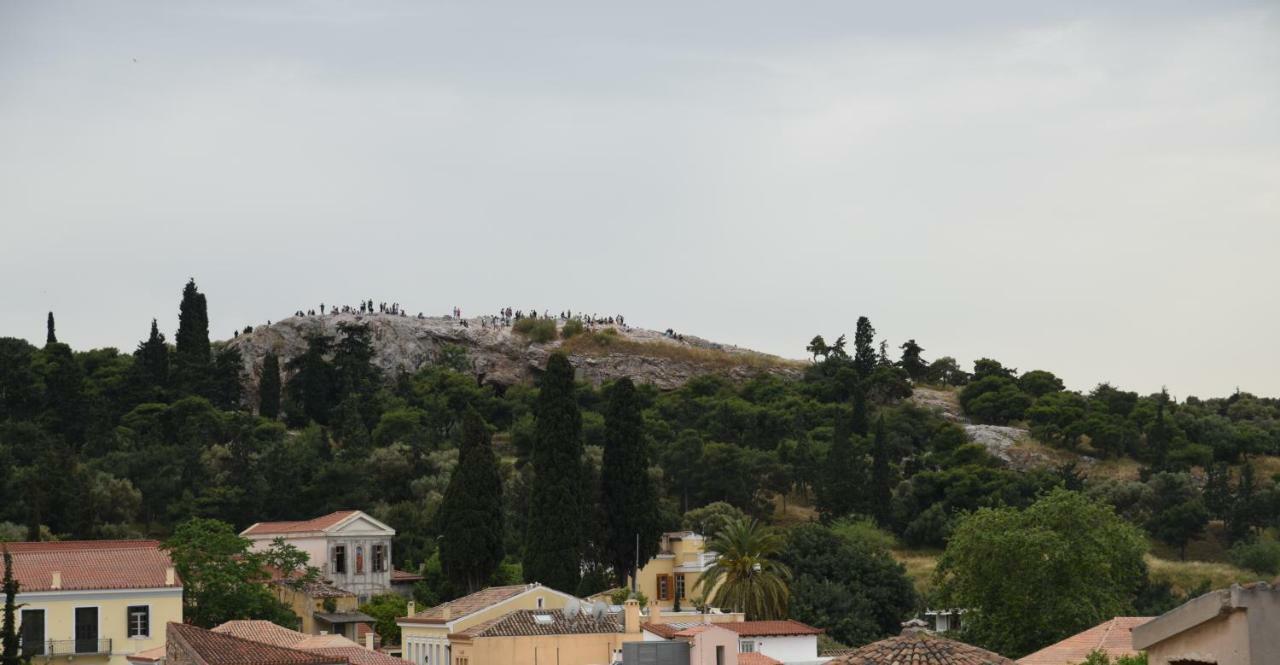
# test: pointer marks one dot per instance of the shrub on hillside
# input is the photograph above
(540, 331)
(1261, 556)
(571, 327)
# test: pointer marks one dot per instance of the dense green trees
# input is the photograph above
(471, 521)
(1000, 562)
(556, 534)
(842, 489)
(192, 358)
(629, 502)
(151, 361)
(851, 586)
(912, 362)
(1179, 513)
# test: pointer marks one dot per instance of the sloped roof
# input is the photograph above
(301, 526)
(398, 576)
(91, 565)
(469, 604)
(1115, 637)
(920, 647)
(210, 648)
(668, 630)
(756, 658)
(520, 623)
(771, 628)
(152, 655)
(335, 646)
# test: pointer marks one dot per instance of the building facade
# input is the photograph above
(351, 549)
(94, 601)
(425, 635)
(671, 577)
(1235, 626)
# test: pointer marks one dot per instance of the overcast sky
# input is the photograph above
(1076, 186)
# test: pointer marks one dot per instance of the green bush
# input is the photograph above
(540, 331)
(571, 327)
(863, 530)
(1261, 556)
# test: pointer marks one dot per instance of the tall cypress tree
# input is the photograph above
(193, 356)
(65, 403)
(630, 501)
(269, 387)
(9, 631)
(881, 475)
(471, 523)
(859, 423)
(864, 350)
(1158, 435)
(152, 358)
(843, 479)
(49, 336)
(556, 536)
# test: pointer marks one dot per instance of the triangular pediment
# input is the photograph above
(360, 524)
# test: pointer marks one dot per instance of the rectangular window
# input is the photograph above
(746, 646)
(339, 558)
(379, 558)
(359, 559)
(680, 586)
(33, 632)
(139, 621)
(664, 587)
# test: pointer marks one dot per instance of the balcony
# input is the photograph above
(85, 647)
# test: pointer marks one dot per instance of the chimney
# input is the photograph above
(631, 616)
(57, 580)
(368, 640)
(170, 576)
(413, 608)
(655, 612)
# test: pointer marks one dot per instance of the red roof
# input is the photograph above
(91, 565)
(336, 646)
(756, 658)
(771, 628)
(398, 575)
(1115, 637)
(302, 526)
(469, 604)
(209, 648)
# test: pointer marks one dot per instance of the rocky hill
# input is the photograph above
(499, 356)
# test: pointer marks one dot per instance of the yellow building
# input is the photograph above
(323, 608)
(424, 636)
(681, 561)
(95, 602)
(570, 636)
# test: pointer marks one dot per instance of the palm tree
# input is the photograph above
(746, 577)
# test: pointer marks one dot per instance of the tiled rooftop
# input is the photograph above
(919, 648)
(210, 648)
(91, 565)
(468, 604)
(521, 623)
(1115, 637)
(755, 658)
(334, 646)
(771, 628)
(301, 526)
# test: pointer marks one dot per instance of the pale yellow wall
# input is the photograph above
(305, 606)
(527, 601)
(683, 551)
(59, 619)
(1224, 641)
(590, 649)
(702, 650)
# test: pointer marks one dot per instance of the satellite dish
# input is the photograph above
(597, 610)
(572, 607)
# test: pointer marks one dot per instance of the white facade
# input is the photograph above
(354, 553)
(786, 648)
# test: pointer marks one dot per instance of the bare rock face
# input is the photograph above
(501, 357)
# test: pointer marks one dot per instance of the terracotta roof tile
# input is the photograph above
(358, 655)
(299, 526)
(920, 647)
(520, 623)
(261, 631)
(755, 658)
(147, 656)
(91, 565)
(336, 646)
(665, 630)
(771, 628)
(1115, 637)
(468, 604)
(398, 575)
(210, 648)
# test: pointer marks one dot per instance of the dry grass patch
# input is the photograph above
(1187, 576)
(920, 565)
(609, 341)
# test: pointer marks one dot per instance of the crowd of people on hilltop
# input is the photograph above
(505, 318)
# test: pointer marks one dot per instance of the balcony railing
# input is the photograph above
(73, 647)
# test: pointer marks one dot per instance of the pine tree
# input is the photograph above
(9, 631)
(864, 350)
(471, 522)
(152, 361)
(226, 380)
(556, 536)
(858, 423)
(912, 361)
(630, 501)
(192, 361)
(269, 387)
(1217, 490)
(881, 475)
(65, 403)
(49, 336)
(1243, 512)
(1158, 435)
